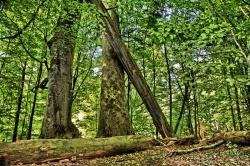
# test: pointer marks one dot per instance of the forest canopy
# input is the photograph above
(92, 68)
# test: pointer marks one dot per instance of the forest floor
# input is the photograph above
(224, 155)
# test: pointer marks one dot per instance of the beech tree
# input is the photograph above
(57, 122)
(114, 116)
(133, 72)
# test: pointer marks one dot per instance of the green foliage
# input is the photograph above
(207, 45)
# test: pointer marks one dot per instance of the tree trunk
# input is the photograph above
(189, 119)
(39, 151)
(34, 100)
(26, 108)
(229, 96)
(231, 108)
(196, 106)
(19, 102)
(57, 122)
(169, 86)
(247, 97)
(154, 86)
(238, 107)
(114, 116)
(184, 101)
(133, 72)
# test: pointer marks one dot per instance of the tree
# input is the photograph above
(114, 117)
(57, 122)
(133, 72)
(19, 102)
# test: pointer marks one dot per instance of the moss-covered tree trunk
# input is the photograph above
(133, 71)
(114, 116)
(57, 122)
(45, 150)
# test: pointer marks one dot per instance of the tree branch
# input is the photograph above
(21, 30)
(245, 2)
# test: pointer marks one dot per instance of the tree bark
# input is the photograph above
(114, 116)
(38, 151)
(133, 72)
(57, 122)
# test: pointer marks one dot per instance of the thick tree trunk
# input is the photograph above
(133, 72)
(114, 116)
(19, 103)
(38, 151)
(57, 122)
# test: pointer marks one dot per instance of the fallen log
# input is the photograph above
(39, 151)
(187, 140)
(48, 150)
(236, 137)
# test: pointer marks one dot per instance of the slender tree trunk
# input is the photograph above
(57, 122)
(154, 86)
(133, 72)
(196, 106)
(231, 107)
(238, 107)
(236, 95)
(34, 101)
(189, 119)
(195, 115)
(184, 101)
(247, 98)
(26, 108)
(169, 87)
(246, 88)
(19, 103)
(114, 115)
(229, 96)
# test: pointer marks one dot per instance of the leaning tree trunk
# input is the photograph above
(114, 116)
(133, 71)
(57, 122)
